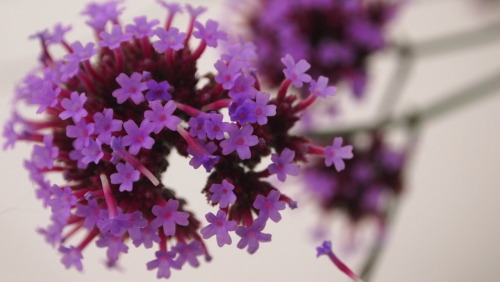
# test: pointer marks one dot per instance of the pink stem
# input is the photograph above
(283, 88)
(108, 196)
(217, 105)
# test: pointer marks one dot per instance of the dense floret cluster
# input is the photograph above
(112, 111)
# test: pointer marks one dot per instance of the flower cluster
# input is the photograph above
(335, 36)
(112, 111)
(363, 190)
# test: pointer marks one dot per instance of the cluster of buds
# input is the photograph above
(111, 112)
(336, 36)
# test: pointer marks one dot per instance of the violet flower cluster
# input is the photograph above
(336, 36)
(112, 111)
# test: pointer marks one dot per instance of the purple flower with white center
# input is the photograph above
(116, 225)
(147, 236)
(336, 153)
(168, 217)
(126, 176)
(262, 109)
(71, 257)
(91, 212)
(209, 33)
(105, 125)
(240, 140)
(214, 126)
(162, 116)
(158, 91)
(296, 72)
(164, 261)
(131, 87)
(222, 194)
(115, 38)
(269, 206)
(203, 155)
(252, 236)
(197, 126)
(169, 39)
(73, 107)
(245, 113)
(321, 89)
(188, 252)
(227, 73)
(220, 227)
(92, 153)
(114, 244)
(80, 52)
(138, 136)
(282, 164)
(81, 131)
(43, 157)
(142, 28)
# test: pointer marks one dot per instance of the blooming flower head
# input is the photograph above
(335, 37)
(111, 112)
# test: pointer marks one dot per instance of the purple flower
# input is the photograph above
(52, 234)
(188, 252)
(168, 217)
(116, 225)
(131, 87)
(114, 244)
(138, 137)
(324, 249)
(252, 236)
(73, 107)
(105, 125)
(296, 71)
(282, 164)
(90, 212)
(101, 13)
(269, 206)
(126, 176)
(172, 8)
(43, 157)
(197, 126)
(228, 73)
(81, 131)
(214, 126)
(46, 96)
(169, 39)
(336, 153)
(80, 52)
(202, 155)
(92, 153)
(240, 140)
(164, 261)
(142, 28)
(71, 257)
(209, 33)
(319, 88)
(219, 226)
(158, 91)
(57, 35)
(162, 116)
(147, 236)
(262, 109)
(245, 113)
(115, 38)
(195, 12)
(223, 193)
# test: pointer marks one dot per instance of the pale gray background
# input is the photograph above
(448, 226)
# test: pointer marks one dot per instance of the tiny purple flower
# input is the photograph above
(188, 253)
(245, 113)
(194, 12)
(169, 39)
(115, 38)
(269, 206)
(168, 217)
(214, 126)
(115, 226)
(209, 33)
(321, 89)
(203, 155)
(336, 153)
(262, 109)
(142, 28)
(164, 261)
(138, 137)
(252, 236)
(296, 71)
(240, 140)
(114, 244)
(52, 234)
(71, 257)
(105, 125)
(91, 212)
(282, 164)
(73, 107)
(227, 73)
(158, 91)
(162, 116)
(57, 35)
(131, 87)
(92, 153)
(80, 52)
(81, 131)
(43, 157)
(197, 126)
(147, 236)
(46, 96)
(126, 176)
(223, 193)
(220, 227)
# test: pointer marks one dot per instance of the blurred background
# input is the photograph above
(447, 225)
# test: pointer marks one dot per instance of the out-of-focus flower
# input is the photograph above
(112, 111)
(336, 37)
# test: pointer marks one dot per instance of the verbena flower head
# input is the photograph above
(335, 37)
(111, 112)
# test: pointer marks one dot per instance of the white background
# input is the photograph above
(449, 223)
